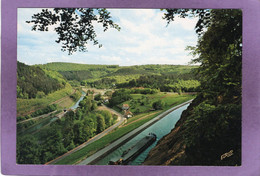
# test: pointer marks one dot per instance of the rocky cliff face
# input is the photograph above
(170, 150)
(217, 140)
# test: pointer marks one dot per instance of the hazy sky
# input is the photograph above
(143, 39)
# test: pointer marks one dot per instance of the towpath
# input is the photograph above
(103, 152)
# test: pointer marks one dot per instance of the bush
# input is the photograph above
(158, 105)
(98, 97)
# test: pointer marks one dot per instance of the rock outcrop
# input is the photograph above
(170, 150)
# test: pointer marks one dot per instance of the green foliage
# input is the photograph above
(158, 105)
(143, 91)
(28, 151)
(108, 93)
(166, 82)
(100, 123)
(76, 95)
(26, 106)
(111, 76)
(98, 97)
(99, 144)
(102, 83)
(222, 134)
(213, 125)
(79, 29)
(65, 134)
(140, 103)
(33, 82)
(70, 67)
(119, 96)
(49, 108)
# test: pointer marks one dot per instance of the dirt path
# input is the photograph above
(141, 118)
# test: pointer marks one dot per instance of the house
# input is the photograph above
(125, 107)
(128, 114)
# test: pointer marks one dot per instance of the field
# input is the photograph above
(27, 106)
(143, 103)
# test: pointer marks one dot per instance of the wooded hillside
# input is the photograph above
(34, 82)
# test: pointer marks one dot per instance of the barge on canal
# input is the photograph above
(132, 152)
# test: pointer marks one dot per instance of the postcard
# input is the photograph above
(115, 88)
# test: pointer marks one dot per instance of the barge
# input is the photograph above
(132, 152)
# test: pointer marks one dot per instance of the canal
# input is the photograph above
(77, 103)
(160, 128)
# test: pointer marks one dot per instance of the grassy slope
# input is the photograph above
(106, 140)
(63, 66)
(24, 106)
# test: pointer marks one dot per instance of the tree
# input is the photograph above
(158, 105)
(78, 132)
(108, 118)
(204, 16)
(213, 124)
(74, 26)
(98, 97)
(28, 151)
(100, 123)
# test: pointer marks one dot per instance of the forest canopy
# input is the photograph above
(33, 82)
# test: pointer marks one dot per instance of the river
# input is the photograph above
(160, 128)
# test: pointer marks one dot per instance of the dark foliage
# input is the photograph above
(119, 96)
(49, 108)
(158, 105)
(32, 82)
(63, 135)
(76, 75)
(213, 126)
(164, 82)
(75, 25)
(102, 83)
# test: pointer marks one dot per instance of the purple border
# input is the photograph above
(250, 82)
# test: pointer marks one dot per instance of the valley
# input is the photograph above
(90, 119)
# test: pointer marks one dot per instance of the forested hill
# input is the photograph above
(116, 69)
(106, 76)
(34, 82)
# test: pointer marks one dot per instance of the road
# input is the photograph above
(38, 117)
(120, 121)
(103, 152)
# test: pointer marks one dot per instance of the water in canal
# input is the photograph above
(77, 103)
(160, 128)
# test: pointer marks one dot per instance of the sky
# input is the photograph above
(144, 38)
